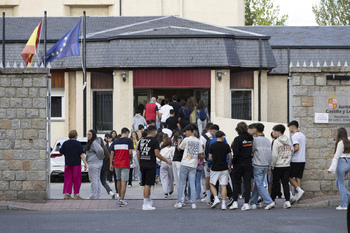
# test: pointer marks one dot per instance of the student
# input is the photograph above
(178, 154)
(251, 130)
(341, 166)
(121, 150)
(184, 115)
(173, 122)
(242, 164)
(220, 169)
(151, 111)
(176, 105)
(141, 128)
(166, 171)
(138, 120)
(164, 112)
(205, 140)
(147, 151)
(152, 122)
(282, 152)
(202, 116)
(192, 151)
(167, 131)
(297, 165)
(105, 166)
(262, 161)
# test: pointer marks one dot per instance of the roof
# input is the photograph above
(161, 41)
(311, 36)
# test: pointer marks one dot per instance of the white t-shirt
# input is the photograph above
(192, 147)
(168, 132)
(165, 111)
(300, 139)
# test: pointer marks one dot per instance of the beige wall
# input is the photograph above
(264, 100)
(220, 12)
(220, 94)
(277, 96)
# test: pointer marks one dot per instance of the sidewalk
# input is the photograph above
(104, 204)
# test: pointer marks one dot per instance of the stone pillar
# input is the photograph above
(264, 101)
(220, 94)
(123, 99)
(23, 158)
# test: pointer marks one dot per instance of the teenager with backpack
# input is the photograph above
(184, 115)
(202, 116)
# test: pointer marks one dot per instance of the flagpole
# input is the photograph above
(3, 39)
(45, 36)
(84, 73)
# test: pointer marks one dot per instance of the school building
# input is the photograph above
(241, 73)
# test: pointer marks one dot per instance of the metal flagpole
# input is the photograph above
(84, 74)
(3, 39)
(45, 36)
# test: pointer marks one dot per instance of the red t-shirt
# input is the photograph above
(151, 110)
(121, 147)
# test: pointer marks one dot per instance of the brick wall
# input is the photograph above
(23, 160)
(320, 137)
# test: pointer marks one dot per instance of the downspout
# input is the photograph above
(259, 80)
(288, 87)
(120, 7)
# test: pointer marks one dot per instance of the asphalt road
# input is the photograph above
(171, 220)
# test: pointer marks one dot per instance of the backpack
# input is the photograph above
(207, 143)
(186, 113)
(202, 115)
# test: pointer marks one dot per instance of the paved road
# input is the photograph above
(170, 220)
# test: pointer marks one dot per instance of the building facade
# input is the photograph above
(219, 12)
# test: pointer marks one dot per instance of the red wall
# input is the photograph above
(196, 78)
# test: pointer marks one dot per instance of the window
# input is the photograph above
(241, 104)
(56, 106)
(103, 111)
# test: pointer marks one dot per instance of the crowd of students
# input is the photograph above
(252, 167)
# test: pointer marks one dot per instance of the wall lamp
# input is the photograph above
(219, 74)
(124, 76)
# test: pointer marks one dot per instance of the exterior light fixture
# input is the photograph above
(124, 76)
(219, 74)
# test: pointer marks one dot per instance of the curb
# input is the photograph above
(14, 207)
(320, 204)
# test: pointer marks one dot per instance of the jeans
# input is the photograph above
(201, 125)
(343, 168)
(198, 182)
(167, 177)
(104, 181)
(239, 171)
(280, 173)
(94, 177)
(259, 177)
(190, 173)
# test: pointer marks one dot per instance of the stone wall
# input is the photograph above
(320, 137)
(23, 160)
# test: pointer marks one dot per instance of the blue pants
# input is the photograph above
(190, 173)
(343, 168)
(259, 177)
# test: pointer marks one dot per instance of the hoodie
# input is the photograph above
(242, 149)
(95, 154)
(282, 152)
(138, 120)
(262, 152)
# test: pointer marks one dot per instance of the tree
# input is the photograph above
(332, 12)
(263, 12)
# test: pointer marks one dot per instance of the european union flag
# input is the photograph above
(67, 46)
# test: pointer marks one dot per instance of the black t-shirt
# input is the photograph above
(72, 149)
(146, 146)
(184, 121)
(176, 106)
(178, 153)
(172, 123)
(219, 150)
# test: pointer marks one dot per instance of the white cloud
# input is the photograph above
(299, 11)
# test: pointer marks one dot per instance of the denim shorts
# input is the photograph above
(122, 173)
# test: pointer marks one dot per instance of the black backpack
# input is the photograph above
(207, 143)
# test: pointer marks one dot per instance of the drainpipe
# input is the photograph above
(288, 87)
(120, 7)
(259, 80)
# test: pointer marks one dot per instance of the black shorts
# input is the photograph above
(297, 170)
(148, 176)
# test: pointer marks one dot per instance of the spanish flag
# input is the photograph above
(30, 49)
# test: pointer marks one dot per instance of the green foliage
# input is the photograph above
(332, 12)
(263, 12)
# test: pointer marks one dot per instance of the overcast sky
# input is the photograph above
(299, 11)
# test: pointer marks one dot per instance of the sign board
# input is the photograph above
(332, 107)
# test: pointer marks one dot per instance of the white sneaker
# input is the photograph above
(287, 205)
(259, 205)
(253, 207)
(292, 200)
(270, 206)
(341, 208)
(234, 205)
(223, 207)
(299, 195)
(215, 204)
(245, 207)
(147, 207)
(111, 194)
(205, 200)
(194, 206)
(178, 205)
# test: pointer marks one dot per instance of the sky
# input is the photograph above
(299, 11)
